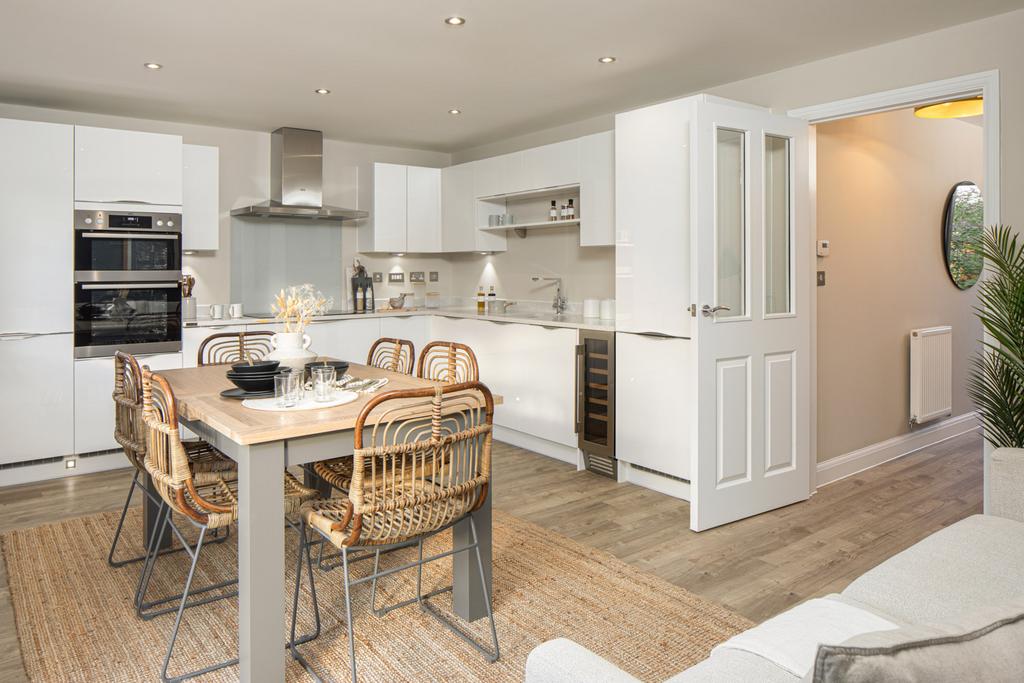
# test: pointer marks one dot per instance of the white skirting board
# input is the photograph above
(56, 470)
(861, 459)
(670, 486)
(558, 451)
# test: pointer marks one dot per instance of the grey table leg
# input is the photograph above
(261, 561)
(149, 515)
(467, 593)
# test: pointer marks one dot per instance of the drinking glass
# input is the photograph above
(285, 389)
(323, 383)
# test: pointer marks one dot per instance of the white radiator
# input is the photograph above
(931, 373)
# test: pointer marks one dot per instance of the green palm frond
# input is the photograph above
(996, 384)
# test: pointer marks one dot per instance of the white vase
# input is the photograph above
(292, 349)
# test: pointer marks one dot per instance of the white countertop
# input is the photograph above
(570, 320)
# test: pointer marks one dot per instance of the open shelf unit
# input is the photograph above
(529, 208)
(533, 224)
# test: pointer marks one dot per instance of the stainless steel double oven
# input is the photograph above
(127, 282)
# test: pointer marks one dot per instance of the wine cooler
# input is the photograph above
(595, 400)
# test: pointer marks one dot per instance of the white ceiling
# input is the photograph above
(395, 69)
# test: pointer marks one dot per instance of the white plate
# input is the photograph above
(307, 403)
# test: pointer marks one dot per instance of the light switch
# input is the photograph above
(823, 247)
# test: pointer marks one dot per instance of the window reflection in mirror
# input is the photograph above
(962, 232)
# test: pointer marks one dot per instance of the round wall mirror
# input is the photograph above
(962, 230)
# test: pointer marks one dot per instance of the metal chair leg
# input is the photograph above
(373, 584)
(303, 550)
(348, 616)
(151, 555)
(120, 525)
(177, 622)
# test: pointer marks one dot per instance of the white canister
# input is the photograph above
(607, 309)
(591, 308)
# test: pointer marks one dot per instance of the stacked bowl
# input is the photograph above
(256, 376)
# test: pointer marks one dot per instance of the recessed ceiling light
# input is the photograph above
(322, 91)
(606, 60)
(455, 21)
(454, 112)
(153, 65)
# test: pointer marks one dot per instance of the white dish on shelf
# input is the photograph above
(307, 402)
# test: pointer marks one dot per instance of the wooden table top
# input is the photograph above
(197, 393)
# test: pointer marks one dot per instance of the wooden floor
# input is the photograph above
(757, 567)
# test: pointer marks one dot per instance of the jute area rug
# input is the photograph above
(75, 619)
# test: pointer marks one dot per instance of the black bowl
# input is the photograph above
(252, 375)
(259, 366)
(340, 366)
(253, 383)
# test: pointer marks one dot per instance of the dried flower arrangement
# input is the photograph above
(296, 306)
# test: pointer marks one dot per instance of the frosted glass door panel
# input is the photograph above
(731, 220)
(777, 227)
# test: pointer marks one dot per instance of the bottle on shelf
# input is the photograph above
(480, 301)
(359, 299)
(564, 213)
(553, 213)
(492, 292)
(572, 211)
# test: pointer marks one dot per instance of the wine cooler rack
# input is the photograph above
(595, 400)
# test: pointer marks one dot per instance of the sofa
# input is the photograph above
(957, 597)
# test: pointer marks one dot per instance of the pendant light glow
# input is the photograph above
(954, 109)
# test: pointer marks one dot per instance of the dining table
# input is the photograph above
(264, 444)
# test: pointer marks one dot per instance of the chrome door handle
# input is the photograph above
(708, 311)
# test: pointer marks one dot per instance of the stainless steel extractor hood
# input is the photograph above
(296, 180)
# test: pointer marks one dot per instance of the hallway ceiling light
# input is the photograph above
(954, 109)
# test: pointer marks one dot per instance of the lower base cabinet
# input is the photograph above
(37, 401)
(652, 419)
(94, 407)
(416, 329)
(344, 339)
(532, 367)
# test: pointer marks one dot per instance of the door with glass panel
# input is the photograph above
(751, 271)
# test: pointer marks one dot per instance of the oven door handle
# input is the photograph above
(130, 235)
(132, 285)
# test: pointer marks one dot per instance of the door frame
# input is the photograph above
(984, 83)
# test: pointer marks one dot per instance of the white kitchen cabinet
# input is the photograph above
(386, 229)
(406, 210)
(127, 166)
(415, 328)
(423, 210)
(654, 382)
(458, 215)
(200, 200)
(500, 175)
(344, 339)
(532, 367)
(38, 396)
(94, 407)
(597, 189)
(36, 218)
(192, 337)
(652, 219)
(552, 165)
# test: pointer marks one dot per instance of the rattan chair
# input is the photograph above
(233, 347)
(387, 353)
(129, 432)
(448, 362)
(209, 500)
(422, 464)
(396, 355)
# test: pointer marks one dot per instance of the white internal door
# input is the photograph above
(752, 272)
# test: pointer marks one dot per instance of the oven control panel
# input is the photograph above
(88, 219)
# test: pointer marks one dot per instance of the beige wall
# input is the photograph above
(882, 187)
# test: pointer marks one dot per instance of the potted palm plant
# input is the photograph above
(295, 306)
(996, 383)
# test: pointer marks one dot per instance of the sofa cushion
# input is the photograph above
(985, 645)
(971, 564)
(790, 640)
(731, 666)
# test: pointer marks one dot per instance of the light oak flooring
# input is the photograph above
(756, 567)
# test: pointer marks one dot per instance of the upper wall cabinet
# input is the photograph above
(127, 166)
(500, 175)
(552, 165)
(406, 210)
(597, 189)
(458, 213)
(200, 206)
